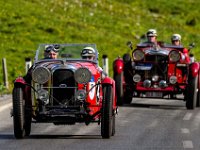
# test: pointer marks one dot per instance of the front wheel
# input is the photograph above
(21, 117)
(191, 93)
(198, 93)
(107, 116)
(119, 88)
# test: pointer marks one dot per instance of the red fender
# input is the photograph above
(118, 65)
(20, 81)
(108, 80)
(194, 69)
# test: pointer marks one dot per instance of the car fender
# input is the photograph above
(108, 80)
(26, 89)
(118, 65)
(20, 81)
(194, 69)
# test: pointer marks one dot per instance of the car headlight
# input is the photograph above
(82, 75)
(155, 78)
(174, 56)
(173, 79)
(136, 78)
(43, 95)
(41, 75)
(81, 95)
(138, 55)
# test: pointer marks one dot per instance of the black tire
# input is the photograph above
(119, 88)
(191, 93)
(113, 124)
(128, 97)
(28, 120)
(22, 122)
(198, 93)
(126, 58)
(107, 112)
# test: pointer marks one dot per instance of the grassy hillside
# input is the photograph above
(108, 23)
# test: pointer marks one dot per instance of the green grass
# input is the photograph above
(108, 23)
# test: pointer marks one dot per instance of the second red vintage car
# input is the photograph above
(163, 71)
(64, 91)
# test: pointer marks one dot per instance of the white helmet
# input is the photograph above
(88, 51)
(176, 37)
(151, 32)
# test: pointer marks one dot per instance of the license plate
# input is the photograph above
(154, 94)
(143, 66)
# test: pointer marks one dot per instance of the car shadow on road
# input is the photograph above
(155, 106)
(47, 136)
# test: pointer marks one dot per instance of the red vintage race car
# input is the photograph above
(64, 91)
(162, 71)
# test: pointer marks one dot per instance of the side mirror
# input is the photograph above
(130, 44)
(191, 45)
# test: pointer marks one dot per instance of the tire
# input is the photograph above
(107, 113)
(113, 124)
(191, 93)
(22, 122)
(119, 88)
(126, 58)
(198, 93)
(128, 97)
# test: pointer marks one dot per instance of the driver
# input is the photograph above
(152, 36)
(88, 53)
(51, 52)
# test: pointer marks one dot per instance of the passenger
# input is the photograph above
(176, 41)
(51, 52)
(88, 53)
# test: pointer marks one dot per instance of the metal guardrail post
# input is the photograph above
(105, 64)
(28, 64)
(5, 73)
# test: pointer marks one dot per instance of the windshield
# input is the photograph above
(66, 51)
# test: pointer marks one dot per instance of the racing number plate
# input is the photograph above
(154, 94)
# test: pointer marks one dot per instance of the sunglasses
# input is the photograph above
(53, 48)
(87, 51)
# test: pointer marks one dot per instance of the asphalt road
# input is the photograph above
(145, 124)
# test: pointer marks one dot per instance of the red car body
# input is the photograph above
(161, 71)
(64, 91)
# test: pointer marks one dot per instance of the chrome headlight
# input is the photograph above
(173, 79)
(43, 95)
(155, 78)
(41, 75)
(174, 56)
(162, 84)
(136, 78)
(82, 75)
(147, 83)
(138, 55)
(81, 95)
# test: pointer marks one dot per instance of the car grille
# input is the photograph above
(159, 67)
(63, 83)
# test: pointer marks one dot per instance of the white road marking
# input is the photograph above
(188, 144)
(4, 107)
(185, 130)
(187, 116)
